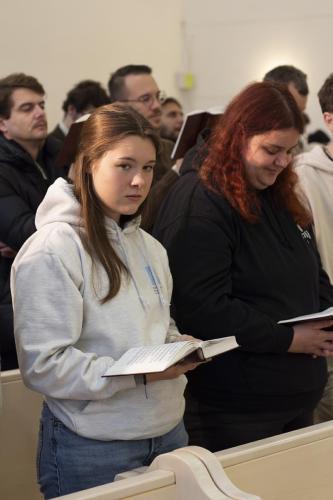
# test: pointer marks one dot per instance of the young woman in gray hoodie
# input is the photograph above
(87, 286)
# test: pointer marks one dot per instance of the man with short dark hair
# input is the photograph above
(295, 80)
(172, 118)
(135, 85)
(315, 173)
(83, 98)
(26, 171)
(297, 85)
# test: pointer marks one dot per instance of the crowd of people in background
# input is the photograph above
(244, 220)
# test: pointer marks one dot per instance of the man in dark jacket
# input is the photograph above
(26, 172)
(83, 98)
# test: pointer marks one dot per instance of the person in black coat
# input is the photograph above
(26, 172)
(191, 161)
(242, 258)
(82, 99)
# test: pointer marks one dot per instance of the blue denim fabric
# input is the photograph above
(67, 462)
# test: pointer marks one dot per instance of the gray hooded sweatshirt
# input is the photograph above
(66, 339)
(315, 172)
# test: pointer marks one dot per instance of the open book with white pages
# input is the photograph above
(326, 314)
(194, 123)
(157, 358)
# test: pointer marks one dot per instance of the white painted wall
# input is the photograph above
(231, 43)
(64, 41)
(225, 43)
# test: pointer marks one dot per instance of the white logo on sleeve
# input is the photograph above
(305, 234)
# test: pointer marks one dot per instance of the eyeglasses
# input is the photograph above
(148, 99)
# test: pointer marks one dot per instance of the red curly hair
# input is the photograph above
(261, 107)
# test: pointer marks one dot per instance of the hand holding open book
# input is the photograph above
(312, 333)
(152, 359)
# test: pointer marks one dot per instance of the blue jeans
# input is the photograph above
(67, 462)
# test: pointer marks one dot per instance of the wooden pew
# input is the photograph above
(180, 475)
(19, 422)
(292, 466)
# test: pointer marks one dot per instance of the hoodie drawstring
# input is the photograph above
(154, 281)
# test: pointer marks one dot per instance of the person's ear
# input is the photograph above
(91, 167)
(72, 112)
(3, 125)
(328, 119)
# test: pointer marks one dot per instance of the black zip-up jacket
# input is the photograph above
(236, 278)
(23, 184)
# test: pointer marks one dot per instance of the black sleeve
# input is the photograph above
(155, 199)
(17, 220)
(325, 289)
(325, 286)
(201, 260)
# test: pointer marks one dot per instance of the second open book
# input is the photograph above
(157, 358)
(326, 314)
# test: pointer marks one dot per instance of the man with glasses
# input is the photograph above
(135, 85)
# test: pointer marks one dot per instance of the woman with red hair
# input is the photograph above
(242, 257)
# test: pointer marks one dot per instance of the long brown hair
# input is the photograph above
(104, 128)
(259, 108)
